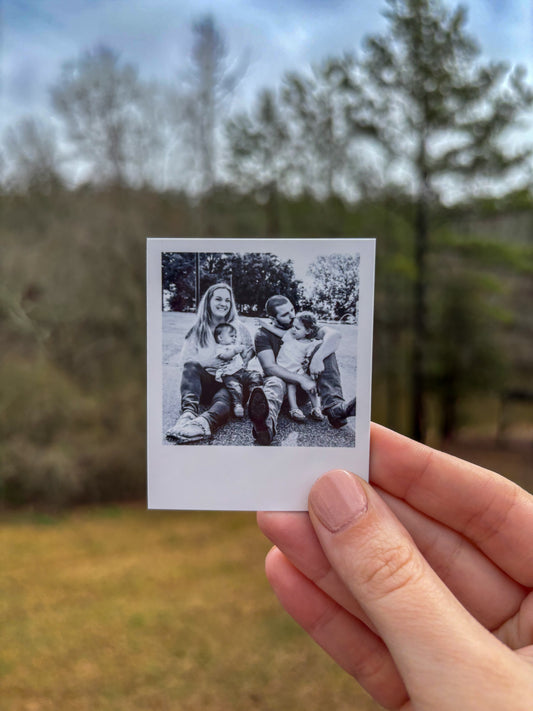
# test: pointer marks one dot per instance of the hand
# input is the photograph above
(316, 366)
(307, 384)
(438, 620)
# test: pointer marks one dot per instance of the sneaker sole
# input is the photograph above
(258, 412)
(262, 437)
(195, 438)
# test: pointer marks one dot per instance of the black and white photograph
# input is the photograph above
(259, 367)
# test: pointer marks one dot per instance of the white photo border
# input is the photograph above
(250, 478)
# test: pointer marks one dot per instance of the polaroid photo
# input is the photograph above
(259, 369)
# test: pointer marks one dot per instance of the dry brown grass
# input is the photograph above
(121, 609)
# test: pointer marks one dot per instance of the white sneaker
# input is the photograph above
(297, 415)
(175, 431)
(195, 430)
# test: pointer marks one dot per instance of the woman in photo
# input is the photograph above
(201, 362)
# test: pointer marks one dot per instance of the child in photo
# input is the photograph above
(298, 344)
(235, 357)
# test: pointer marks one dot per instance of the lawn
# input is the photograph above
(119, 609)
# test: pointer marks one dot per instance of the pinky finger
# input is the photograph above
(346, 639)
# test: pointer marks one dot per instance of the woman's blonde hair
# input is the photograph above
(202, 330)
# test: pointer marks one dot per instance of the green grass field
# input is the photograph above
(120, 609)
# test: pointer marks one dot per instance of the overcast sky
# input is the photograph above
(278, 35)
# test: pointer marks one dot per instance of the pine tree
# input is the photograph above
(442, 115)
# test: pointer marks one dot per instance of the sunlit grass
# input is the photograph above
(117, 608)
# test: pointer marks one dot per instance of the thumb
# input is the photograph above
(430, 636)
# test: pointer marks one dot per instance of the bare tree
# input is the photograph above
(261, 155)
(31, 156)
(208, 87)
(326, 110)
(103, 105)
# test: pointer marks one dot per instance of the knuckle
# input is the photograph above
(393, 569)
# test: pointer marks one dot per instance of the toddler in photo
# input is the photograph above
(298, 344)
(236, 357)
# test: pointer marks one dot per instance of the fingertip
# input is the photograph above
(260, 517)
(267, 522)
(283, 527)
(338, 499)
(336, 473)
(271, 555)
(275, 563)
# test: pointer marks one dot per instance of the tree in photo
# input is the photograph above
(335, 289)
(253, 277)
(261, 275)
(186, 276)
(215, 267)
(178, 271)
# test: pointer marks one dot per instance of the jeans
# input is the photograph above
(240, 383)
(328, 385)
(200, 387)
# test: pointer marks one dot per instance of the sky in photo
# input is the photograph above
(271, 36)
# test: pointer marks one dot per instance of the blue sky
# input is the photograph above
(38, 36)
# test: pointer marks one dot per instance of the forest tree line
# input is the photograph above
(331, 286)
(405, 141)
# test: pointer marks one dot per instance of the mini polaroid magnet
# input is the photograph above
(259, 369)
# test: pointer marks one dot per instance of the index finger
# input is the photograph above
(486, 508)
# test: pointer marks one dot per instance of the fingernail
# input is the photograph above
(338, 499)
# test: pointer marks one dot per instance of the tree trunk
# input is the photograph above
(391, 331)
(418, 411)
(449, 400)
(392, 382)
(272, 208)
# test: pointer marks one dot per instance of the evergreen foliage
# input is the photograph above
(441, 113)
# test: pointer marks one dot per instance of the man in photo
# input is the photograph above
(324, 375)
